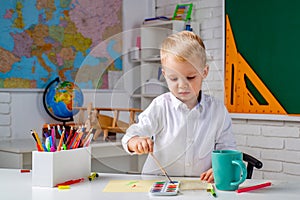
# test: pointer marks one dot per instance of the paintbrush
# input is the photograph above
(161, 168)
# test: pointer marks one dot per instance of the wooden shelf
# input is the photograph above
(154, 58)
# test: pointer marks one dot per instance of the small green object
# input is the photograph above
(183, 12)
(48, 147)
(212, 191)
(132, 182)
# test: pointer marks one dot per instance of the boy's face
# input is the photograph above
(184, 80)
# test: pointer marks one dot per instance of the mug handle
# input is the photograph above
(244, 172)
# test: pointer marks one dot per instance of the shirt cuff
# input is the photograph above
(125, 140)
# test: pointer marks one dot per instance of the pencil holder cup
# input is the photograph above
(52, 168)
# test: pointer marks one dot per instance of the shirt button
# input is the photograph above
(200, 108)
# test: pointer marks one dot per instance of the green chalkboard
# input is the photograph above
(267, 34)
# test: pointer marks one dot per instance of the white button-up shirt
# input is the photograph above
(183, 138)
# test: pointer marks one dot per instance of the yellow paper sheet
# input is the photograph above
(193, 185)
(145, 185)
(128, 186)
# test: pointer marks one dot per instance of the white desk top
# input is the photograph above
(15, 185)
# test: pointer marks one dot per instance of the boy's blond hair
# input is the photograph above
(184, 46)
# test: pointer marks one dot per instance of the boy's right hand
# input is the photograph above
(140, 145)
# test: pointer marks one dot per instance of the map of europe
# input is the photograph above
(44, 39)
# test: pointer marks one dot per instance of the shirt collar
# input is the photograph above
(176, 102)
(179, 104)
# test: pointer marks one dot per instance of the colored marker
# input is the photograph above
(212, 191)
(86, 138)
(59, 130)
(49, 130)
(255, 187)
(66, 135)
(25, 170)
(69, 136)
(52, 148)
(70, 182)
(48, 143)
(61, 140)
(46, 134)
(88, 141)
(38, 140)
(44, 146)
(72, 140)
(78, 140)
(38, 146)
(53, 138)
(63, 187)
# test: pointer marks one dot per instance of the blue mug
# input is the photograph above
(229, 169)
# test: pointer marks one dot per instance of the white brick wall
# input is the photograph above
(5, 97)
(275, 142)
(292, 144)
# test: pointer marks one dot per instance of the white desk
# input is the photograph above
(15, 185)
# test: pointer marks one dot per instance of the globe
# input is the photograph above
(60, 97)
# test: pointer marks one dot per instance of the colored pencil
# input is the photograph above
(255, 187)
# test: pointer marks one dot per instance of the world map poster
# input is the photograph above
(44, 39)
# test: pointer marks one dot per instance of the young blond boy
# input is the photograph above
(182, 127)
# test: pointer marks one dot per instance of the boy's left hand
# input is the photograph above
(207, 176)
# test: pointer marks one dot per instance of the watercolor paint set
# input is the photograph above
(165, 188)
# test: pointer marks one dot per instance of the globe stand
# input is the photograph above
(64, 121)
